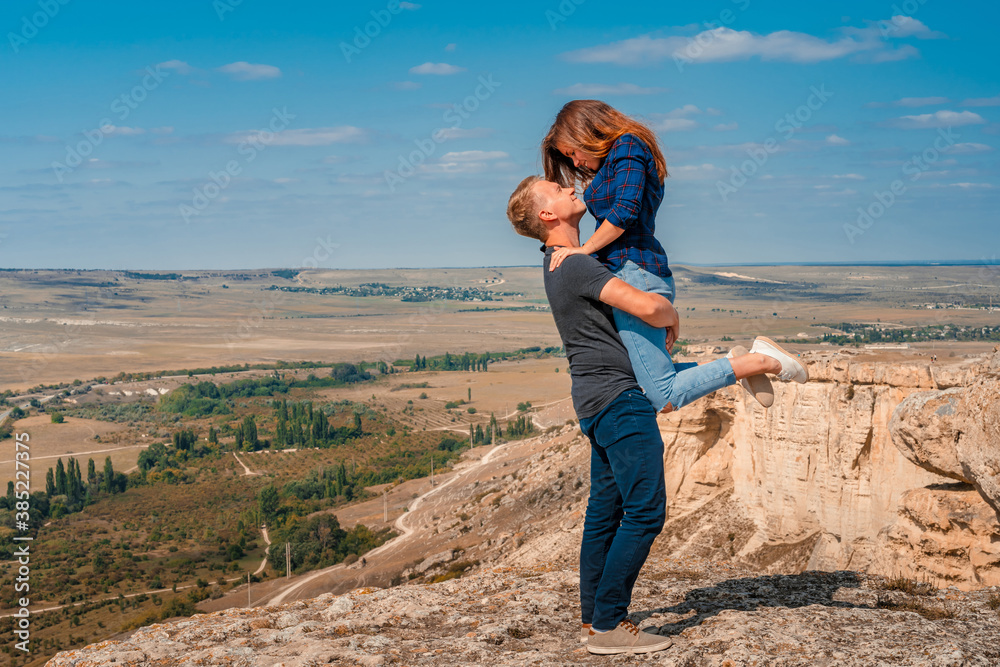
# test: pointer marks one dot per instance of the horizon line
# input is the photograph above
(896, 263)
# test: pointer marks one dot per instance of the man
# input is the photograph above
(627, 505)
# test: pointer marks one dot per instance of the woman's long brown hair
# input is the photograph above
(592, 126)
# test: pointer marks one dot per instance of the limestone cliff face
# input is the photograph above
(950, 531)
(816, 481)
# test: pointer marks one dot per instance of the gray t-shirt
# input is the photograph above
(598, 361)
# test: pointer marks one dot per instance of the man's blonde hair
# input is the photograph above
(523, 208)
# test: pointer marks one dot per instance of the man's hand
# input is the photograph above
(562, 253)
(653, 309)
(673, 332)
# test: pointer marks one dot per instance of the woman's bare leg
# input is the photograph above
(754, 364)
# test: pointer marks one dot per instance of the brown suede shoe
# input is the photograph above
(626, 638)
(758, 386)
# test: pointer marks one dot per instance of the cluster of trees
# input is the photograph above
(246, 434)
(479, 436)
(517, 428)
(475, 362)
(450, 444)
(67, 491)
(329, 482)
(302, 425)
(381, 366)
(158, 458)
(520, 427)
(872, 333)
(206, 398)
(447, 362)
(320, 542)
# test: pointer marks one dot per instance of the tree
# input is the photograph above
(91, 473)
(249, 429)
(267, 502)
(109, 476)
(61, 478)
(57, 418)
(50, 484)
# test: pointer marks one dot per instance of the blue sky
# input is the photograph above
(226, 134)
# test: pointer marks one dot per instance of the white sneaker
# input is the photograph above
(791, 369)
(758, 386)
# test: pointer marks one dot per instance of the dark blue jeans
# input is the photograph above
(627, 506)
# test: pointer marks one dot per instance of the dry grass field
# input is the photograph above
(62, 325)
(75, 438)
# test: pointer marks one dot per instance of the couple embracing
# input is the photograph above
(612, 301)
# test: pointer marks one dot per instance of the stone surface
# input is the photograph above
(957, 431)
(719, 616)
(758, 500)
(979, 444)
(924, 429)
(945, 534)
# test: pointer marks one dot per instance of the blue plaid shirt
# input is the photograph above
(626, 192)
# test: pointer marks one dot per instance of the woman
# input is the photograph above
(618, 162)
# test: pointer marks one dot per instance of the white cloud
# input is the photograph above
(907, 26)
(968, 186)
(677, 120)
(244, 71)
(122, 130)
(726, 127)
(597, 89)
(888, 55)
(725, 44)
(967, 149)
(472, 156)
(405, 85)
(852, 177)
(454, 167)
(694, 172)
(674, 125)
(448, 133)
(982, 102)
(436, 68)
(920, 101)
(178, 66)
(835, 140)
(451, 47)
(684, 111)
(937, 119)
(316, 136)
(284, 180)
(910, 102)
(410, 5)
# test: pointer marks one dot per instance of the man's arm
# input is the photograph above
(653, 309)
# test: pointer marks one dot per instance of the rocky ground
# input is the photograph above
(749, 499)
(718, 615)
